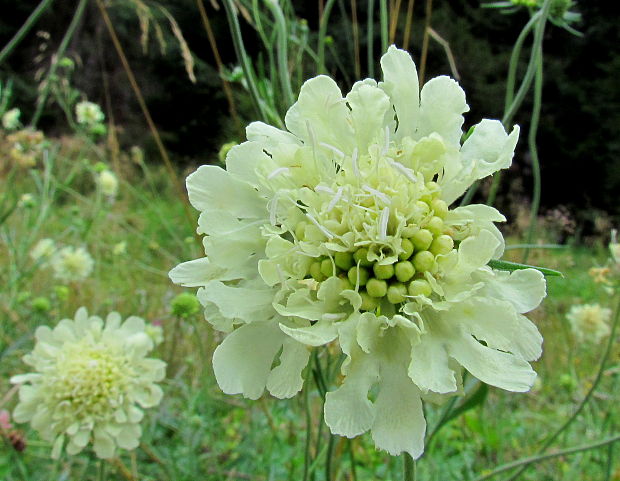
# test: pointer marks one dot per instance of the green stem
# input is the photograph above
(243, 57)
(322, 33)
(369, 38)
(282, 53)
(308, 423)
(515, 103)
(353, 462)
(101, 470)
(587, 397)
(409, 468)
(329, 456)
(383, 12)
(534, 459)
(64, 43)
(514, 60)
(531, 140)
(25, 28)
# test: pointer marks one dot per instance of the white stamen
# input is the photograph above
(324, 188)
(384, 198)
(320, 227)
(404, 170)
(356, 172)
(383, 223)
(335, 200)
(273, 207)
(277, 172)
(386, 145)
(334, 317)
(332, 148)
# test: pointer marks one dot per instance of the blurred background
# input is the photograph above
(169, 50)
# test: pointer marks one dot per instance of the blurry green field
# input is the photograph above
(198, 433)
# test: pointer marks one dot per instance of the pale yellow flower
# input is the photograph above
(72, 263)
(108, 183)
(43, 250)
(589, 322)
(91, 381)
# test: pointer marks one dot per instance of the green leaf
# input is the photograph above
(515, 266)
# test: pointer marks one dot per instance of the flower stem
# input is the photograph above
(101, 470)
(409, 468)
(329, 456)
(531, 139)
(25, 28)
(322, 32)
(307, 408)
(534, 459)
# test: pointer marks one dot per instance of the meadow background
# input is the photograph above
(174, 92)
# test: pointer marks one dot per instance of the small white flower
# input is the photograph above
(43, 250)
(88, 113)
(72, 264)
(91, 381)
(108, 183)
(10, 120)
(589, 322)
(120, 248)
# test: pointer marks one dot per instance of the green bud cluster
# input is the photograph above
(425, 238)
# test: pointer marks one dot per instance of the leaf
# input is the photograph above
(515, 266)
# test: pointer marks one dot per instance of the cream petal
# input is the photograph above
(369, 106)
(269, 137)
(242, 160)
(400, 82)
(285, 380)
(430, 366)
(104, 445)
(197, 272)
(499, 325)
(475, 252)
(322, 113)
(524, 289)
(348, 411)
(246, 303)
(442, 103)
(399, 424)
(242, 362)
(316, 335)
(211, 187)
(493, 367)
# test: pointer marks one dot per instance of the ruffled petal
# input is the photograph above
(524, 289)
(321, 115)
(242, 160)
(211, 187)
(493, 367)
(399, 424)
(430, 366)
(269, 137)
(195, 273)
(242, 362)
(285, 380)
(442, 103)
(400, 82)
(369, 106)
(245, 303)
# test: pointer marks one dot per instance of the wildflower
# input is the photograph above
(72, 264)
(589, 322)
(27, 201)
(88, 113)
(90, 381)
(108, 183)
(340, 230)
(27, 146)
(10, 119)
(600, 275)
(120, 248)
(184, 305)
(43, 250)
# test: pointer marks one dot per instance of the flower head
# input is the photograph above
(88, 113)
(72, 263)
(108, 183)
(43, 250)
(589, 322)
(340, 230)
(10, 119)
(90, 381)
